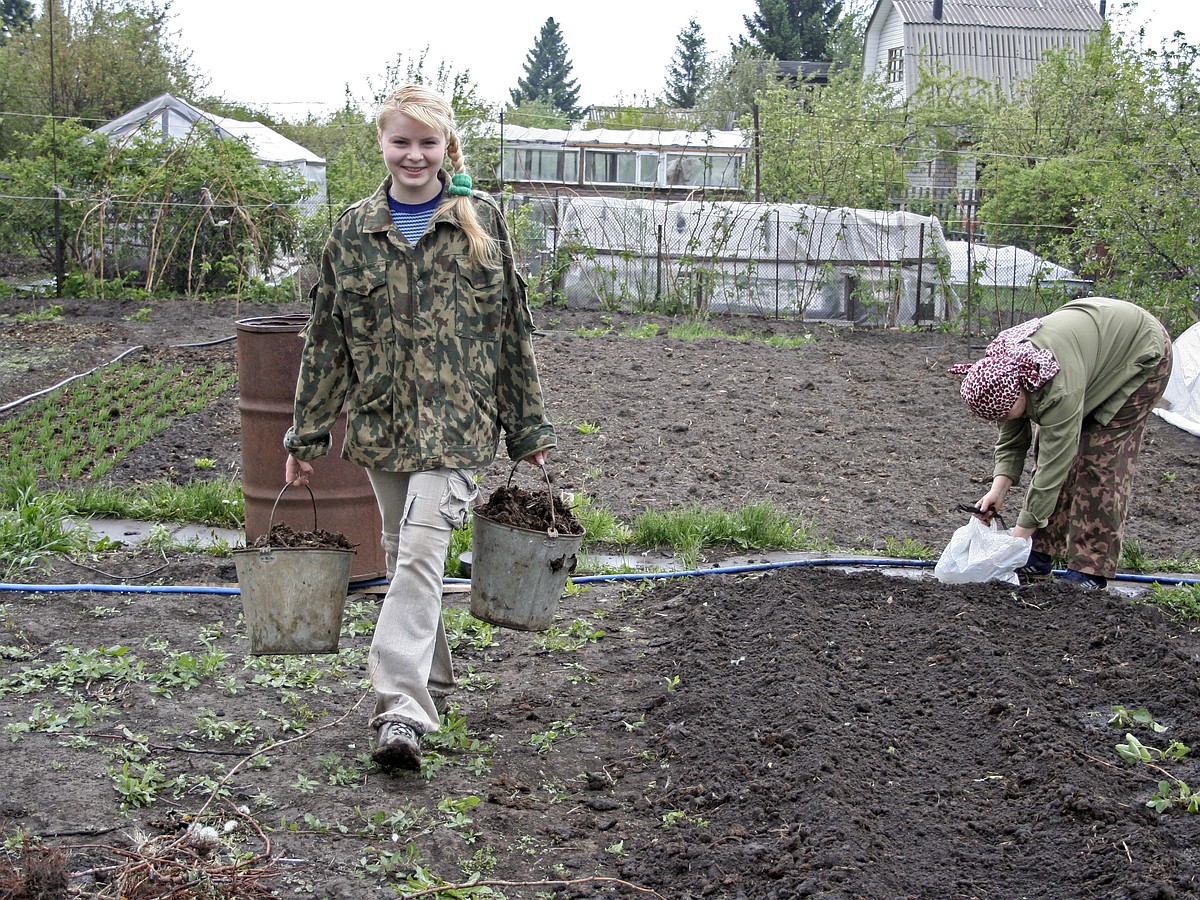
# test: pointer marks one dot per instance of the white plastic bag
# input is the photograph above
(979, 552)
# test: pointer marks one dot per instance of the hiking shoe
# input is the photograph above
(397, 746)
(1039, 565)
(1084, 580)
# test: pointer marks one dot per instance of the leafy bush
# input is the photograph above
(183, 216)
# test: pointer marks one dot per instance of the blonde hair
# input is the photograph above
(431, 110)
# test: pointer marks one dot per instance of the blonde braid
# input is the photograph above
(485, 249)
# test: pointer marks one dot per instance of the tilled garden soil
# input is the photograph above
(797, 730)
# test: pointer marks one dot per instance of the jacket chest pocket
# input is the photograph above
(479, 293)
(368, 304)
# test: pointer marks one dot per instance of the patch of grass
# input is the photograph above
(696, 329)
(605, 327)
(51, 313)
(217, 502)
(601, 525)
(33, 526)
(788, 341)
(908, 549)
(1134, 559)
(1182, 601)
(757, 526)
(642, 331)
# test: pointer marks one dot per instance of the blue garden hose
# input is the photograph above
(582, 579)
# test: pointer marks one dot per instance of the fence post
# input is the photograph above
(658, 264)
(920, 274)
(777, 230)
(757, 158)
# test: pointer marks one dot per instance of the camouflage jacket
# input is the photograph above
(431, 356)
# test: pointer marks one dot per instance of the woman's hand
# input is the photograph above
(537, 458)
(296, 472)
(993, 501)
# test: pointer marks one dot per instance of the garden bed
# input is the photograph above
(797, 731)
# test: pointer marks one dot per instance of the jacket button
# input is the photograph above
(421, 285)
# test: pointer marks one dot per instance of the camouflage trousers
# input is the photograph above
(409, 663)
(1088, 524)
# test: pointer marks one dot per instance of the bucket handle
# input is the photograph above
(553, 530)
(271, 523)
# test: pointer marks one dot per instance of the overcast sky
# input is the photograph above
(293, 56)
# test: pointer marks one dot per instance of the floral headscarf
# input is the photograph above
(992, 385)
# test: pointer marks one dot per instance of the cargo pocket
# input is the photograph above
(460, 493)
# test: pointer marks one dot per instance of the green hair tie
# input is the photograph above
(460, 185)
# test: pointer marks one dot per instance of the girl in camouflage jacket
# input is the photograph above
(421, 330)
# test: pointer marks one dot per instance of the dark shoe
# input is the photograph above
(1085, 581)
(397, 746)
(1039, 565)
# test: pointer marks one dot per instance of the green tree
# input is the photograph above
(1047, 151)
(737, 80)
(835, 146)
(793, 29)
(844, 48)
(688, 71)
(109, 57)
(15, 15)
(548, 74)
(1097, 162)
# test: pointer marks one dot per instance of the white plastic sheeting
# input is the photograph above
(1006, 267)
(761, 258)
(1182, 397)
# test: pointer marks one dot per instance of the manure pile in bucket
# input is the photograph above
(521, 509)
(282, 535)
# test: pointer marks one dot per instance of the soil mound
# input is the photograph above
(282, 535)
(520, 508)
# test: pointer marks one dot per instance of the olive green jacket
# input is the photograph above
(431, 356)
(1105, 350)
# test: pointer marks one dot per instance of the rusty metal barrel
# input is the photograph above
(268, 352)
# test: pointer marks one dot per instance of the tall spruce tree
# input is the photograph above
(15, 15)
(548, 74)
(793, 29)
(688, 72)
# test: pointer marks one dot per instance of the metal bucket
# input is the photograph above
(268, 350)
(293, 598)
(518, 576)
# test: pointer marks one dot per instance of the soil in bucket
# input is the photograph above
(524, 549)
(293, 586)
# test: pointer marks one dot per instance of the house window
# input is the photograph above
(605, 167)
(717, 170)
(649, 166)
(526, 164)
(895, 65)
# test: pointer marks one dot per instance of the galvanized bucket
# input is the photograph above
(518, 576)
(293, 598)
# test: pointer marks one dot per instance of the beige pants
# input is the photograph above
(410, 656)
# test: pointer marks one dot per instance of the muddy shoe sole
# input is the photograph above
(397, 747)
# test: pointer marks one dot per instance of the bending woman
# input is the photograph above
(1087, 375)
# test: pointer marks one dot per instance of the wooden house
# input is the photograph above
(999, 42)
